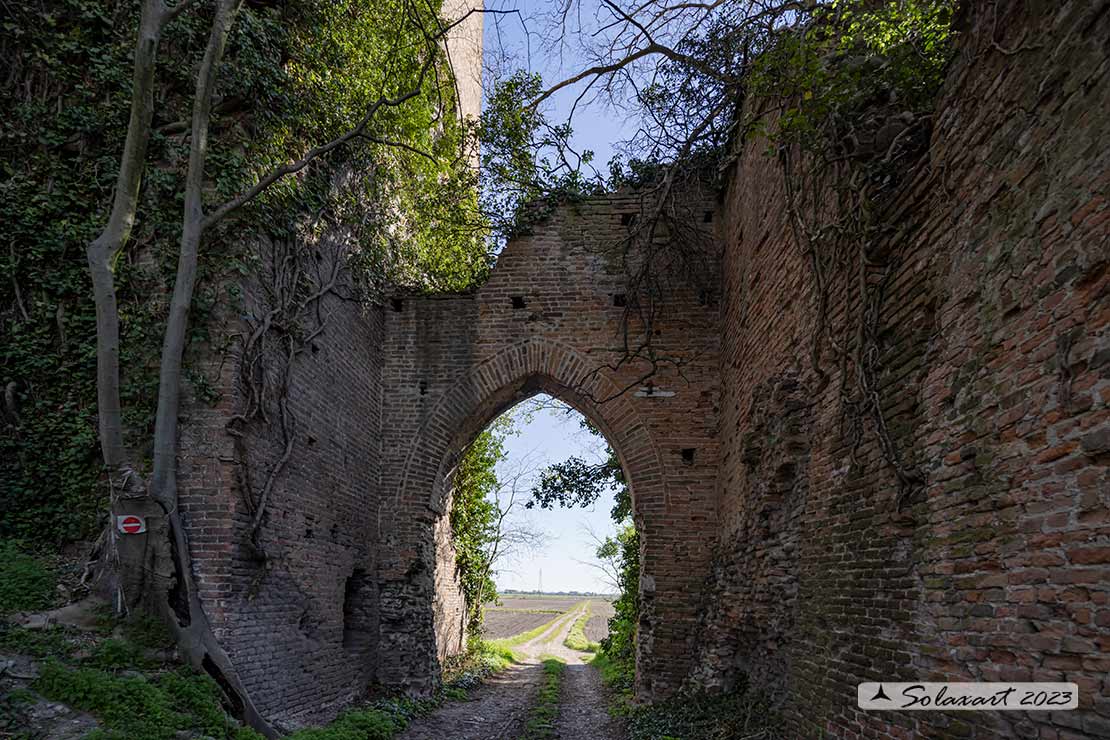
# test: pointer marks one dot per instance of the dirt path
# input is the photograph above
(583, 709)
(499, 709)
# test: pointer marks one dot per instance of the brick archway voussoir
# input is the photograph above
(494, 384)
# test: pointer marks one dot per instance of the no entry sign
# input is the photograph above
(130, 524)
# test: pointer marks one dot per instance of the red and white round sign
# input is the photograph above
(131, 524)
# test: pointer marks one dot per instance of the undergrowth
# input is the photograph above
(123, 674)
(740, 713)
(26, 583)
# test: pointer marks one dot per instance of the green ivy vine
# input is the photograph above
(296, 74)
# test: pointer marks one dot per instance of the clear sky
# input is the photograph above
(567, 557)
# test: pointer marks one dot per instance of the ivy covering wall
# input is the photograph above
(297, 73)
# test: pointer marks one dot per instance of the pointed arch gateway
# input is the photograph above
(514, 374)
(547, 320)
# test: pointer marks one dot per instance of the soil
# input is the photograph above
(499, 709)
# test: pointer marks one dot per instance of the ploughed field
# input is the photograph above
(598, 625)
(522, 613)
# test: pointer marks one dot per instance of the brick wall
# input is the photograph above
(994, 377)
(769, 550)
(548, 321)
(301, 626)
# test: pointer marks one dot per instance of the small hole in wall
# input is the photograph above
(707, 218)
(688, 455)
(311, 440)
(627, 219)
(620, 300)
(315, 348)
(518, 301)
(423, 387)
(398, 304)
(703, 298)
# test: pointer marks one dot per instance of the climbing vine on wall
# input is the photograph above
(846, 103)
(295, 74)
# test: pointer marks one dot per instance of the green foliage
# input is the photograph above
(53, 642)
(624, 551)
(574, 482)
(481, 659)
(357, 724)
(527, 167)
(576, 636)
(474, 521)
(850, 70)
(698, 716)
(296, 73)
(138, 707)
(26, 584)
(541, 717)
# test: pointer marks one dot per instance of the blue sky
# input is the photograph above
(524, 39)
(568, 552)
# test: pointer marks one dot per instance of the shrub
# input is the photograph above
(26, 584)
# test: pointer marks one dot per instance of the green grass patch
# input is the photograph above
(543, 714)
(26, 583)
(140, 707)
(576, 638)
(357, 724)
(52, 642)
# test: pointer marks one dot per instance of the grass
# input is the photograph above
(109, 673)
(140, 706)
(540, 724)
(576, 639)
(26, 583)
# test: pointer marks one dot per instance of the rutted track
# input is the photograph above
(499, 709)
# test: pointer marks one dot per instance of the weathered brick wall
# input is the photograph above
(547, 320)
(300, 626)
(995, 379)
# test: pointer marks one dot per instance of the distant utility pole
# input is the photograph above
(541, 581)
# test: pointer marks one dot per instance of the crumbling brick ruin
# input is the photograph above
(772, 548)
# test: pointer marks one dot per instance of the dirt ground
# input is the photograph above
(499, 709)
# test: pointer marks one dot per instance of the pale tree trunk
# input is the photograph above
(155, 571)
(124, 482)
(176, 596)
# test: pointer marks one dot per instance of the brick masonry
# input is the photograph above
(547, 321)
(767, 552)
(995, 376)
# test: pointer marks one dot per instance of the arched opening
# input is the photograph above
(670, 498)
(541, 544)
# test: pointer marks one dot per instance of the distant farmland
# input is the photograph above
(598, 626)
(519, 613)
